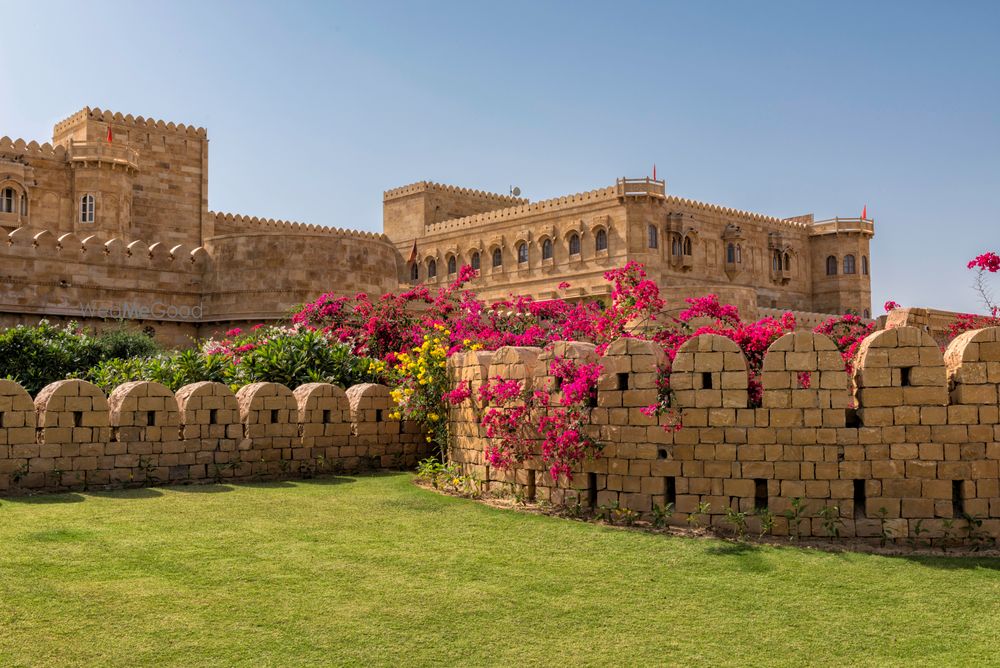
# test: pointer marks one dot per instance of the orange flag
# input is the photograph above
(654, 171)
(864, 213)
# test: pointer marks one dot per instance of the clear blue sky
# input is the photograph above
(313, 109)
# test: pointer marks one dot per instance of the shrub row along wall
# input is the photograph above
(917, 435)
(72, 437)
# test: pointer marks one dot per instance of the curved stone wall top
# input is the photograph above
(804, 370)
(972, 361)
(897, 367)
(710, 371)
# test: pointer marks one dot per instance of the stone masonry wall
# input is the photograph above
(73, 437)
(914, 438)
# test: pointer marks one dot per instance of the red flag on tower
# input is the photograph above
(109, 134)
(864, 213)
(654, 171)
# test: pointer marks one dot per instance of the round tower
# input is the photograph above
(841, 265)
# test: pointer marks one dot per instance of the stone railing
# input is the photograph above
(640, 187)
(835, 225)
(73, 437)
(106, 152)
(909, 446)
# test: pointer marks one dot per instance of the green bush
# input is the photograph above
(42, 354)
(274, 355)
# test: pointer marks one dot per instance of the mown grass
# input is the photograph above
(373, 570)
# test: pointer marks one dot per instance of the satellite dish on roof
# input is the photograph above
(515, 191)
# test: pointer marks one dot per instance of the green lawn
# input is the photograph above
(373, 570)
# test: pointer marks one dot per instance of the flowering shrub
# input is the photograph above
(421, 384)
(518, 422)
(985, 263)
(847, 332)
(890, 306)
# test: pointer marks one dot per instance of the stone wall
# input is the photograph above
(916, 433)
(72, 437)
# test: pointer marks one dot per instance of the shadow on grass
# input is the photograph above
(745, 556)
(135, 493)
(953, 562)
(42, 499)
(211, 488)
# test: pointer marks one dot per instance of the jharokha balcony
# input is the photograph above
(646, 187)
(103, 152)
(837, 225)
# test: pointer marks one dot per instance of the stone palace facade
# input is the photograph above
(110, 221)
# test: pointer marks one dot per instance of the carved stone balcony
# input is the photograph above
(641, 188)
(116, 155)
(843, 225)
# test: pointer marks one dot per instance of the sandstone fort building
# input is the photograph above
(111, 221)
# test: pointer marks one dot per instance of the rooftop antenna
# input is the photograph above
(515, 191)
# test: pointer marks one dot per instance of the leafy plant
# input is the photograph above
(625, 516)
(693, 519)
(831, 521)
(766, 519)
(738, 520)
(795, 515)
(884, 533)
(662, 514)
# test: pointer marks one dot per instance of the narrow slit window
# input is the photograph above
(378, 414)
(670, 489)
(957, 499)
(760, 493)
(531, 486)
(274, 415)
(213, 416)
(150, 418)
(860, 500)
(326, 416)
(904, 376)
(706, 380)
(77, 418)
(592, 490)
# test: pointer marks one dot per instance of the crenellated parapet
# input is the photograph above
(908, 443)
(30, 243)
(74, 437)
(138, 122)
(228, 223)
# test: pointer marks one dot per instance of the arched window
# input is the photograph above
(654, 237)
(675, 246)
(776, 261)
(731, 254)
(739, 253)
(522, 253)
(849, 267)
(788, 262)
(867, 313)
(7, 200)
(831, 266)
(432, 269)
(864, 265)
(574, 244)
(547, 249)
(87, 209)
(475, 261)
(414, 272)
(687, 246)
(601, 240)
(452, 265)
(497, 258)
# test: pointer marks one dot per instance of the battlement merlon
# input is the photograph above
(431, 186)
(90, 124)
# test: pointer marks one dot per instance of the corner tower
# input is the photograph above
(150, 181)
(841, 265)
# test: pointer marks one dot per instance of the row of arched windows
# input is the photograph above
(521, 250)
(678, 245)
(13, 202)
(850, 265)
